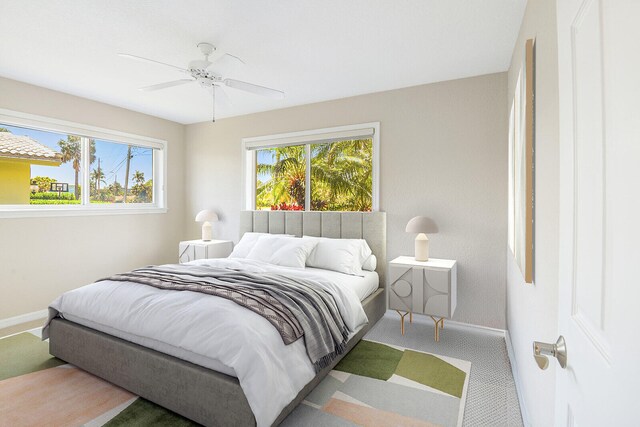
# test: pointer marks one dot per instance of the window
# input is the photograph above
(281, 178)
(49, 166)
(120, 173)
(323, 170)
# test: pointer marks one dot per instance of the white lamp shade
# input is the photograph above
(206, 215)
(421, 224)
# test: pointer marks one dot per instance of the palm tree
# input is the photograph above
(340, 176)
(142, 191)
(287, 172)
(138, 177)
(97, 176)
(71, 152)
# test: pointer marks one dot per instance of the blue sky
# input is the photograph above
(112, 158)
(264, 157)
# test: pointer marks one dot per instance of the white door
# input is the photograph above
(599, 288)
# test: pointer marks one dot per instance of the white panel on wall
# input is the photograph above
(589, 155)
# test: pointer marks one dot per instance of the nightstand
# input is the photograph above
(427, 287)
(190, 250)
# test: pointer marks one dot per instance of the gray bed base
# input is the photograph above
(202, 395)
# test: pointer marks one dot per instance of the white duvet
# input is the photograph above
(210, 331)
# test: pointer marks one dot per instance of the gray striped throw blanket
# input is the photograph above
(295, 307)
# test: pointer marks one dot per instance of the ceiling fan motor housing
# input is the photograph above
(198, 67)
(205, 78)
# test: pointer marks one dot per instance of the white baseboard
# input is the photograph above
(453, 324)
(468, 326)
(23, 318)
(516, 378)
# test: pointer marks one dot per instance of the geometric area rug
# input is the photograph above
(374, 385)
(379, 384)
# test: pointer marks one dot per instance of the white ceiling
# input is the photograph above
(313, 50)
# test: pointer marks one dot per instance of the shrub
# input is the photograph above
(43, 183)
(52, 196)
(54, 202)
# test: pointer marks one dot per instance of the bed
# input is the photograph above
(210, 394)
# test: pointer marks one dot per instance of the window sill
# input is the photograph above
(29, 211)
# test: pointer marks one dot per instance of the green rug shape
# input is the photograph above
(431, 371)
(142, 413)
(24, 353)
(371, 359)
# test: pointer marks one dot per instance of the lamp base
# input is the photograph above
(207, 231)
(422, 248)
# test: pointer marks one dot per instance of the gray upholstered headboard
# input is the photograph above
(371, 226)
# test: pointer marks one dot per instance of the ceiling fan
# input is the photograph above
(200, 71)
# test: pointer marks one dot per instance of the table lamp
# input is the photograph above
(421, 225)
(207, 216)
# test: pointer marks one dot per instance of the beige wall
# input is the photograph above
(443, 154)
(532, 309)
(42, 257)
(443, 150)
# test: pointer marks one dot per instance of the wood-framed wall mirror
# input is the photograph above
(521, 200)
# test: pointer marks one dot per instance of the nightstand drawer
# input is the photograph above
(438, 305)
(198, 249)
(435, 288)
(401, 282)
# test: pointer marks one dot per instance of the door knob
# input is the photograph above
(558, 350)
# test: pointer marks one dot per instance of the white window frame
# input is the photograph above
(250, 145)
(159, 205)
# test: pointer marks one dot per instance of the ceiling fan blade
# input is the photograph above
(222, 96)
(225, 61)
(140, 58)
(258, 90)
(222, 56)
(237, 58)
(166, 85)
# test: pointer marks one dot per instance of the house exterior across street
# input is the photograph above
(17, 154)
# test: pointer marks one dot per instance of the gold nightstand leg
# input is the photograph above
(437, 325)
(411, 317)
(402, 320)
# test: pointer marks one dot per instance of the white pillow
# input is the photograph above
(284, 251)
(342, 255)
(370, 263)
(248, 240)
